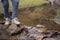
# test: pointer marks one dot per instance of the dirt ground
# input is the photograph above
(43, 14)
(32, 16)
(39, 15)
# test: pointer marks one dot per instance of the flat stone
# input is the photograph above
(40, 26)
(39, 37)
(13, 29)
(50, 39)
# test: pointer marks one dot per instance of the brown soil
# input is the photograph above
(38, 15)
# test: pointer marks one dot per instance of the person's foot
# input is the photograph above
(7, 21)
(15, 21)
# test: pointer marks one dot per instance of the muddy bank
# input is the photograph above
(43, 14)
(39, 15)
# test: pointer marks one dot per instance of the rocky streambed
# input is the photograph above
(49, 30)
(28, 33)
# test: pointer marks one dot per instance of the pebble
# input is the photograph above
(40, 26)
(50, 39)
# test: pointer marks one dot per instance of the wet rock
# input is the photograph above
(57, 2)
(54, 1)
(13, 29)
(36, 36)
(39, 37)
(32, 30)
(30, 33)
(58, 37)
(51, 1)
(5, 27)
(26, 38)
(35, 30)
(40, 26)
(23, 36)
(50, 39)
(24, 29)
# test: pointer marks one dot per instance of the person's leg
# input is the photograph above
(14, 11)
(6, 11)
(6, 7)
(15, 8)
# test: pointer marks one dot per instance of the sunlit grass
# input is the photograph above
(30, 3)
(26, 3)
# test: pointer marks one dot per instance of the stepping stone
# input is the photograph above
(39, 37)
(13, 29)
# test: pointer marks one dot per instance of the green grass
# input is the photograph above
(58, 11)
(30, 3)
(25, 4)
(58, 14)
